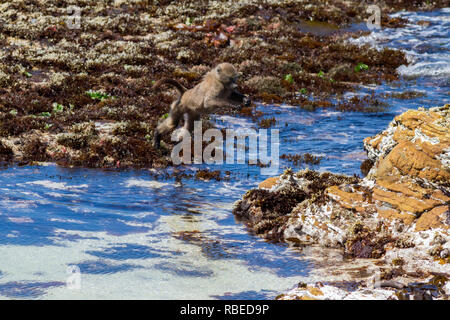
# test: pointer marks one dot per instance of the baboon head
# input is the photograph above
(227, 74)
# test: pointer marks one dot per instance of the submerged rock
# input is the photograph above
(399, 212)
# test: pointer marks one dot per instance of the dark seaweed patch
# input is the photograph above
(365, 167)
(6, 152)
(299, 159)
(101, 267)
(35, 150)
(365, 243)
(126, 251)
(184, 270)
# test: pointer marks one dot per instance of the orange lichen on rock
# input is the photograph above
(345, 197)
(408, 188)
(398, 214)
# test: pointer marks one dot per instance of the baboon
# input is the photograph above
(217, 89)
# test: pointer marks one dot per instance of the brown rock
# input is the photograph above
(435, 218)
(402, 202)
(315, 291)
(407, 187)
(409, 182)
(438, 194)
(347, 199)
(407, 159)
(268, 183)
(410, 149)
(392, 214)
(306, 297)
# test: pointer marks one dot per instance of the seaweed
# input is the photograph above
(299, 159)
(367, 103)
(267, 212)
(207, 175)
(366, 165)
(267, 123)
(6, 153)
(104, 70)
(365, 243)
(35, 150)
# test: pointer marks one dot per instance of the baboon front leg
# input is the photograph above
(167, 125)
(237, 98)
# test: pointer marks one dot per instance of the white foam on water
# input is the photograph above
(67, 220)
(144, 214)
(20, 219)
(426, 69)
(300, 137)
(327, 113)
(18, 204)
(234, 122)
(13, 234)
(146, 183)
(56, 194)
(427, 46)
(56, 185)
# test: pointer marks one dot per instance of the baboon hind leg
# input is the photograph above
(167, 125)
(189, 124)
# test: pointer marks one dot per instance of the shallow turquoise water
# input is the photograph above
(134, 236)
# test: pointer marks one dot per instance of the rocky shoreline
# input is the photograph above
(396, 219)
(81, 96)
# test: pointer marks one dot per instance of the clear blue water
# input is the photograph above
(134, 236)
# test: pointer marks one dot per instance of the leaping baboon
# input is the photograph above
(217, 89)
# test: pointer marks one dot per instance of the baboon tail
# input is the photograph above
(180, 88)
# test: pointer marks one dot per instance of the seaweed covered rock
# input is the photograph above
(406, 191)
(269, 209)
(398, 213)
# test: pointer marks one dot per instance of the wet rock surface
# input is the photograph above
(397, 216)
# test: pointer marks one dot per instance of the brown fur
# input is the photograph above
(217, 89)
